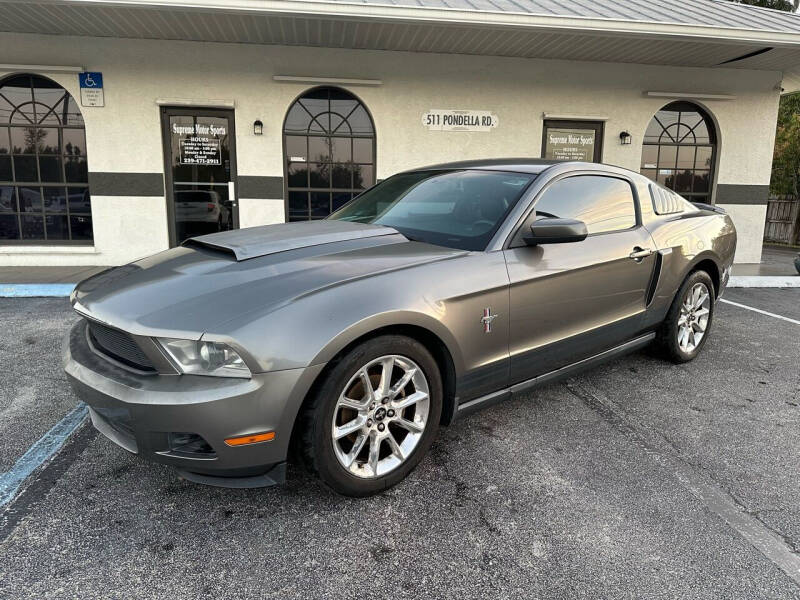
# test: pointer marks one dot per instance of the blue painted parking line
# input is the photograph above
(44, 448)
(35, 290)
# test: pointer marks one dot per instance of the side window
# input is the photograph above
(603, 203)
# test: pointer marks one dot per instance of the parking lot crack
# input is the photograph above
(698, 481)
(756, 514)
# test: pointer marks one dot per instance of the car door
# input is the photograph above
(569, 301)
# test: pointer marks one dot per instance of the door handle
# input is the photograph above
(639, 253)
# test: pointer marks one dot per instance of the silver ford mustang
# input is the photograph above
(348, 341)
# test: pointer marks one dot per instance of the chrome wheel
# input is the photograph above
(693, 319)
(380, 416)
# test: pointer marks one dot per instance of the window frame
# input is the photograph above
(287, 189)
(7, 127)
(514, 239)
(682, 107)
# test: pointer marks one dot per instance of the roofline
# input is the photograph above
(489, 163)
(413, 14)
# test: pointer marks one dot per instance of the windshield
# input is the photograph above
(458, 209)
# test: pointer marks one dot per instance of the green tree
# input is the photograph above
(33, 139)
(786, 5)
(786, 157)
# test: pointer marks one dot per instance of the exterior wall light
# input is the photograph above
(258, 128)
(625, 138)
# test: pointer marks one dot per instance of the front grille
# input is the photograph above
(119, 346)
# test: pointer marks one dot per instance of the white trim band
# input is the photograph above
(42, 68)
(573, 117)
(195, 102)
(326, 80)
(698, 96)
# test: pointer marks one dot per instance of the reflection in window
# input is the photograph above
(678, 150)
(329, 143)
(44, 193)
(604, 204)
(457, 209)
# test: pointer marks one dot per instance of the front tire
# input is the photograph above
(685, 329)
(374, 416)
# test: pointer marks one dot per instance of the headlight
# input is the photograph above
(205, 358)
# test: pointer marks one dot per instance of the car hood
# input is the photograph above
(214, 278)
(271, 239)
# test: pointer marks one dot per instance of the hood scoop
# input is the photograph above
(253, 242)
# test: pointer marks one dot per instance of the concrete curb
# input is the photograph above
(36, 290)
(764, 281)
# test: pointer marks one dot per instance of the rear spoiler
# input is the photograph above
(711, 207)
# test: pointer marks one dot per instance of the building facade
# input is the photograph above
(169, 138)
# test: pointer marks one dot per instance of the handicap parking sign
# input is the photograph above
(91, 84)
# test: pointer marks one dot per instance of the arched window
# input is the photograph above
(44, 192)
(329, 152)
(679, 150)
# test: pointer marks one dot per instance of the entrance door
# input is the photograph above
(200, 161)
(573, 140)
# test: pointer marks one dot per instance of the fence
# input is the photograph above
(783, 220)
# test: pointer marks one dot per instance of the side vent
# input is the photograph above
(666, 202)
(651, 288)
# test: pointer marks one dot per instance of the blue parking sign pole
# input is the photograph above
(91, 84)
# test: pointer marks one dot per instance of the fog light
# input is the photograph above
(191, 445)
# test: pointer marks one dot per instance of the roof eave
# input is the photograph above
(411, 14)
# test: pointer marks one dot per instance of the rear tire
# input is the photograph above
(688, 323)
(360, 441)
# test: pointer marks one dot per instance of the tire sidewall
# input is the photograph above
(672, 333)
(327, 465)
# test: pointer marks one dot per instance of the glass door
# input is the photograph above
(200, 156)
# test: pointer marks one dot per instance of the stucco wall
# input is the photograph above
(125, 135)
(749, 220)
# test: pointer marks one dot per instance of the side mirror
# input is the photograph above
(556, 231)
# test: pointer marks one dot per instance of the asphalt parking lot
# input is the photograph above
(639, 479)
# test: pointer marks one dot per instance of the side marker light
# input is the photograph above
(256, 438)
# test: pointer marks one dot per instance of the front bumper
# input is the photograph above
(724, 280)
(140, 412)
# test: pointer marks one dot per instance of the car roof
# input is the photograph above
(533, 166)
(518, 165)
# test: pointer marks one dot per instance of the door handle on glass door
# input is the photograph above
(639, 253)
(232, 193)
